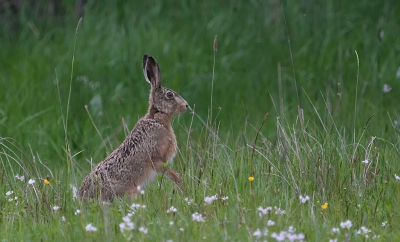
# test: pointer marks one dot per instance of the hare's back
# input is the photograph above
(141, 144)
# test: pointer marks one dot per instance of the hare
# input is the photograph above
(146, 150)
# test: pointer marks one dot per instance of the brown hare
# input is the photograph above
(145, 151)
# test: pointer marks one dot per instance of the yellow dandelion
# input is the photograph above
(46, 181)
(251, 178)
(324, 206)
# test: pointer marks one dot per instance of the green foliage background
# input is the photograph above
(329, 59)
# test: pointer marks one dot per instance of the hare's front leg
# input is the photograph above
(171, 174)
(174, 177)
(132, 193)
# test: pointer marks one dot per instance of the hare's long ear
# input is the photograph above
(151, 71)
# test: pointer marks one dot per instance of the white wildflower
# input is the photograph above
(398, 72)
(335, 230)
(363, 230)
(135, 206)
(21, 178)
(9, 193)
(90, 227)
(386, 88)
(333, 240)
(126, 219)
(304, 199)
(139, 188)
(365, 161)
(257, 233)
(171, 210)
(291, 229)
(126, 225)
(10, 199)
(346, 225)
(287, 236)
(278, 237)
(294, 237)
(171, 223)
(63, 218)
(262, 211)
(279, 211)
(375, 236)
(143, 230)
(31, 181)
(55, 208)
(224, 198)
(270, 223)
(188, 201)
(384, 224)
(209, 200)
(77, 212)
(197, 217)
(397, 177)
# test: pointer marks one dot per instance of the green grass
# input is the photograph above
(317, 68)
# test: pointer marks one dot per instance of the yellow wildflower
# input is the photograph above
(324, 206)
(251, 178)
(46, 181)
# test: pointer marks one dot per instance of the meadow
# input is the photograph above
(295, 133)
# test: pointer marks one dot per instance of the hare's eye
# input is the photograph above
(170, 95)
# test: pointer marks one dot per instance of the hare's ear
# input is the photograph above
(151, 71)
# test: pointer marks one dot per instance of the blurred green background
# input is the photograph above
(273, 56)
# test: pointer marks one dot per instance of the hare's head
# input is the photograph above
(162, 99)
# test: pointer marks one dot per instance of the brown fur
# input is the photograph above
(145, 151)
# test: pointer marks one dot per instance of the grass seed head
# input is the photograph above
(215, 45)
